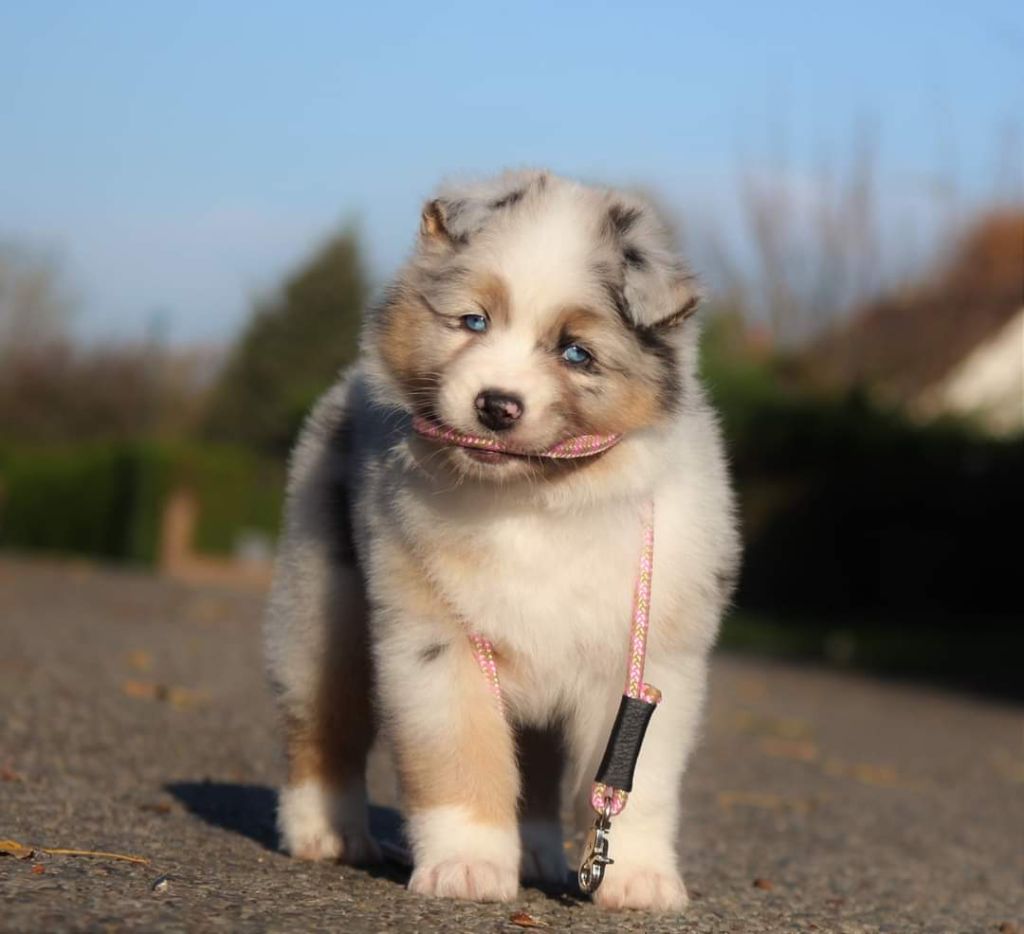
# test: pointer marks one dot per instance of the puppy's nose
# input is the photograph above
(498, 410)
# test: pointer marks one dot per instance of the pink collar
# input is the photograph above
(580, 446)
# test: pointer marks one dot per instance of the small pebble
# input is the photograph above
(160, 885)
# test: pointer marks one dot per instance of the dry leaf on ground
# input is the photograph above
(15, 849)
(158, 807)
(524, 919)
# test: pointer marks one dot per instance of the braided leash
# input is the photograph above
(602, 795)
(614, 779)
(580, 446)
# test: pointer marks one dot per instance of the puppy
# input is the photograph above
(533, 311)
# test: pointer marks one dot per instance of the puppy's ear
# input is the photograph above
(433, 224)
(663, 294)
(657, 289)
(685, 297)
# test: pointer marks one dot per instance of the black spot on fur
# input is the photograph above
(507, 201)
(618, 300)
(670, 382)
(453, 208)
(621, 219)
(634, 258)
(433, 652)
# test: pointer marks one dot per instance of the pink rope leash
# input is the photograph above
(483, 649)
(601, 795)
(580, 446)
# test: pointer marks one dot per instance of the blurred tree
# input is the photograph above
(291, 350)
(34, 305)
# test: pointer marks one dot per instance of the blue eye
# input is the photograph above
(576, 355)
(477, 323)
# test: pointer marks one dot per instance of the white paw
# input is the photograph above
(347, 846)
(317, 824)
(476, 881)
(543, 853)
(649, 889)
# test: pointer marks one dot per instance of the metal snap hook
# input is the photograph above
(595, 853)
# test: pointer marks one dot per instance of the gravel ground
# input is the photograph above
(135, 720)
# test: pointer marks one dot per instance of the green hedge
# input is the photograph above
(106, 499)
(852, 512)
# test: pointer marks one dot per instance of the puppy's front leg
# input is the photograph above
(645, 873)
(455, 758)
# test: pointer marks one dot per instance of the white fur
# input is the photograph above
(319, 823)
(456, 857)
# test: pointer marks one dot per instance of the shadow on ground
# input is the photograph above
(249, 810)
(243, 809)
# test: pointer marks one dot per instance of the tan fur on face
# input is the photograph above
(419, 331)
(621, 392)
(491, 294)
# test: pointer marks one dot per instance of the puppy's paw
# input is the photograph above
(644, 888)
(543, 854)
(347, 846)
(316, 824)
(476, 881)
(312, 843)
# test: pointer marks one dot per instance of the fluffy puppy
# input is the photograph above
(533, 310)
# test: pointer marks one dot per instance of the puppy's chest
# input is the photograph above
(550, 595)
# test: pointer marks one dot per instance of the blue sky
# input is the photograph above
(178, 157)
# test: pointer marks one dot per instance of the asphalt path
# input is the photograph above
(134, 721)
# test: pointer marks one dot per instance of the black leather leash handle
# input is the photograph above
(624, 742)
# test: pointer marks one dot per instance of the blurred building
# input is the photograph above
(952, 344)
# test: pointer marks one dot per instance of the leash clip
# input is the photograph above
(595, 853)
